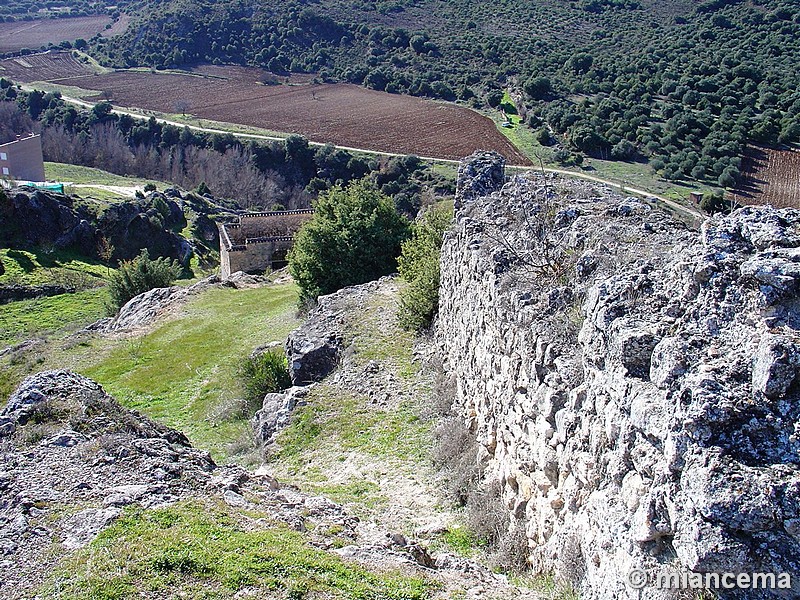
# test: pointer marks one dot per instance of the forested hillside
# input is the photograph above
(681, 83)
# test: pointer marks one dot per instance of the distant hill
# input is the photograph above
(683, 84)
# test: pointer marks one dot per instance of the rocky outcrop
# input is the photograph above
(42, 218)
(65, 443)
(140, 311)
(73, 459)
(37, 218)
(633, 384)
(276, 412)
(314, 349)
(145, 223)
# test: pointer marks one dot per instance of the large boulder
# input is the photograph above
(276, 412)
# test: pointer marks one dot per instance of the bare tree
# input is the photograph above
(182, 106)
(13, 122)
(105, 250)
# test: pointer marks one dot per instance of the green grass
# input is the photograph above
(40, 265)
(462, 541)
(548, 587)
(339, 423)
(54, 315)
(205, 551)
(88, 175)
(185, 372)
(357, 491)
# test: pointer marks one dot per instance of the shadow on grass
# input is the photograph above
(24, 262)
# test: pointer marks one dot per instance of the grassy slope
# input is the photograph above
(38, 266)
(183, 372)
(57, 315)
(91, 182)
(88, 175)
(203, 550)
(370, 457)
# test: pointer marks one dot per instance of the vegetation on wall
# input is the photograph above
(418, 264)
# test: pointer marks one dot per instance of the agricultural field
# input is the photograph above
(770, 177)
(41, 32)
(43, 67)
(342, 114)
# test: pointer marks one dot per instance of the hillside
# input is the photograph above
(680, 84)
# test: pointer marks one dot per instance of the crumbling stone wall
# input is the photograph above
(258, 240)
(638, 399)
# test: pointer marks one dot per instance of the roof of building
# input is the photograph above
(20, 139)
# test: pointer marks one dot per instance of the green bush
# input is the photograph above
(353, 237)
(419, 266)
(264, 374)
(134, 277)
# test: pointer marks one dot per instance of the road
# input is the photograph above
(695, 214)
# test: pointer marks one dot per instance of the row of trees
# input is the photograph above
(256, 175)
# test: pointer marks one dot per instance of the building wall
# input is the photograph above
(22, 159)
(242, 250)
(256, 258)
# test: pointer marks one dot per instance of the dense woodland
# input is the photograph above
(257, 175)
(679, 83)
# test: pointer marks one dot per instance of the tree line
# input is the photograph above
(256, 175)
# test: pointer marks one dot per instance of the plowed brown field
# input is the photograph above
(342, 114)
(35, 34)
(43, 67)
(770, 177)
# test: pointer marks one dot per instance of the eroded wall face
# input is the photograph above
(257, 258)
(633, 385)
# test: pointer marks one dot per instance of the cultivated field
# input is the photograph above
(342, 114)
(770, 177)
(43, 67)
(35, 34)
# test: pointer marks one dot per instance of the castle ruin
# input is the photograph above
(258, 242)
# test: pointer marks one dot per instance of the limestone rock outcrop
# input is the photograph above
(633, 384)
(276, 412)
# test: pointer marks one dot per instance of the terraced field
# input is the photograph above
(43, 67)
(771, 176)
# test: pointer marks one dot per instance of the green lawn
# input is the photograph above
(46, 265)
(54, 315)
(87, 175)
(183, 373)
